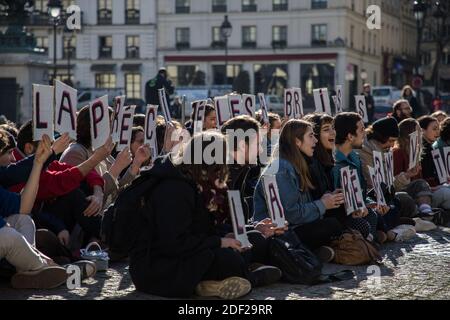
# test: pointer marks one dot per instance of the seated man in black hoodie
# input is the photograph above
(183, 253)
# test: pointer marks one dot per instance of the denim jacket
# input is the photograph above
(299, 207)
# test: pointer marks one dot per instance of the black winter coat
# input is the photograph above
(175, 249)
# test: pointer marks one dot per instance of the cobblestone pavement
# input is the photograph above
(418, 269)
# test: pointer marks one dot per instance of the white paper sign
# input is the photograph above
(446, 151)
(377, 187)
(379, 166)
(237, 218)
(361, 107)
(164, 105)
(289, 104)
(273, 200)
(66, 102)
(352, 190)
(439, 164)
(340, 99)
(223, 110)
(389, 166)
(249, 103)
(236, 106)
(198, 108)
(413, 149)
(100, 128)
(335, 101)
(298, 103)
(263, 105)
(42, 111)
(322, 100)
(150, 130)
(117, 117)
(126, 128)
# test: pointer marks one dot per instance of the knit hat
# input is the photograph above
(387, 127)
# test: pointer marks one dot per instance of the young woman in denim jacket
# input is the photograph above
(291, 169)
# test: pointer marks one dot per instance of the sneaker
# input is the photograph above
(325, 254)
(228, 289)
(266, 275)
(45, 278)
(404, 232)
(88, 268)
(424, 225)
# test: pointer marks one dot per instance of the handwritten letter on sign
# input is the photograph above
(273, 200)
(65, 109)
(223, 110)
(413, 149)
(198, 108)
(389, 162)
(126, 128)
(263, 105)
(150, 130)
(117, 117)
(361, 108)
(340, 100)
(100, 129)
(237, 218)
(352, 190)
(322, 100)
(249, 102)
(377, 186)
(42, 111)
(164, 105)
(439, 164)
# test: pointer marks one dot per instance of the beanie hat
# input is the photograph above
(386, 127)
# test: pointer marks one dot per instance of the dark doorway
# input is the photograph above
(8, 98)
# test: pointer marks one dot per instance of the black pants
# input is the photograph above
(320, 232)
(69, 208)
(229, 263)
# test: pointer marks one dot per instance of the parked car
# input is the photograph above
(385, 95)
(86, 95)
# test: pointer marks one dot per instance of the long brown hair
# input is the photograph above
(406, 127)
(318, 120)
(292, 130)
(200, 172)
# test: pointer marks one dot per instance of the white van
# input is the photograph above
(385, 95)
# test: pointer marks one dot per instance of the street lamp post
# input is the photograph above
(225, 31)
(419, 14)
(440, 17)
(54, 9)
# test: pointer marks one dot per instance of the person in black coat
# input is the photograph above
(408, 94)
(158, 82)
(180, 251)
(370, 102)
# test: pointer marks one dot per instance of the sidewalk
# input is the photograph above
(418, 269)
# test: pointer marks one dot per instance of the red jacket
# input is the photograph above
(59, 179)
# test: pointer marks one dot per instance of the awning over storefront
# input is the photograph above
(103, 67)
(134, 67)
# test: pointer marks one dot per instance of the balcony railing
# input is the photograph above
(279, 44)
(219, 8)
(71, 51)
(183, 45)
(218, 44)
(249, 8)
(105, 52)
(132, 16)
(249, 44)
(38, 18)
(182, 9)
(104, 16)
(280, 7)
(318, 5)
(133, 52)
(318, 43)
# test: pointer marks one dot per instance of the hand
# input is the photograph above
(360, 213)
(123, 159)
(168, 141)
(44, 150)
(142, 154)
(104, 151)
(95, 206)
(412, 172)
(332, 201)
(231, 243)
(269, 229)
(61, 144)
(64, 238)
(382, 210)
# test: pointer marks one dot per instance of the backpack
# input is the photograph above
(352, 249)
(123, 220)
(296, 262)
